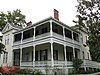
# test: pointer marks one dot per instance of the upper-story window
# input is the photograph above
(75, 36)
(44, 30)
(88, 56)
(28, 33)
(57, 28)
(68, 33)
(83, 54)
(86, 38)
(17, 37)
(7, 39)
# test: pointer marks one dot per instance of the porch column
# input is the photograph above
(52, 60)
(34, 34)
(51, 43)
(73, 45)
(64, 32)
(65, 55)
(22, 38)
(51, 31)
(20, 56)
(33, 55)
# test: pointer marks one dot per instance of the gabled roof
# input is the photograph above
(9, 27)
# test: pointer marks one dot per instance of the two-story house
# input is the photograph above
(47, 42)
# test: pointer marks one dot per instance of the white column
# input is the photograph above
(52, 60)
(33, 55)
(73, 45)
(51, 31)
(64, 32)
(34, 34)
(21, 37)
(20, 56)
(51, 43)
(65, 55)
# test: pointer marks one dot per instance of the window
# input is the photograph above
(88, 55)
(44, 30)
(75, 36)
(86, 38)
(68, 33)
(55, 54)
(37, 33)
(69, 53)
(28, 33)
(83, 55)
(17, 37)
(36, 56)
(7, 39)
(43, 55)
(5, 57)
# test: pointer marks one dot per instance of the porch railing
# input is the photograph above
(59, 63)
(27, 63)
(92, 64)
(69, 64)
(42, 63)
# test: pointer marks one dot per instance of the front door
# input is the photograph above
(16, 58)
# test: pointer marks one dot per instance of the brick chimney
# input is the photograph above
(56, 14)
(29, 23)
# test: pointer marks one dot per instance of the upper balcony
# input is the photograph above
(45, 30)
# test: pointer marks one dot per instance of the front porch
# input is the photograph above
(51, 54)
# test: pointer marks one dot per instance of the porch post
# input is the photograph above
(20, 56)
(64, 32)
(33, 55)
(52, 60)
(34, 34)
(21, 48)
(51, 43)
(73, 45)
(65, 55)
(22, 38)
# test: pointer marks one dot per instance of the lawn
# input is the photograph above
(22, 74)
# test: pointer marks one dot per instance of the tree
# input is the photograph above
(15, 17)
(89, 17)
(2, 46)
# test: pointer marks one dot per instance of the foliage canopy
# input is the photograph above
(89, 17)
(15, 17)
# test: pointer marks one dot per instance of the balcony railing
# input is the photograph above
(42, 35)
(28, 40)
(77, 42)
(58, 35)
(17, 42)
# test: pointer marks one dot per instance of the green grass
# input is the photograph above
(22, 74)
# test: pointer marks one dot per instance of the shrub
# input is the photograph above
(37, 72)
(76, 64)
(25, 71)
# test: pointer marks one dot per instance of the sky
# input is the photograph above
(37, 10)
